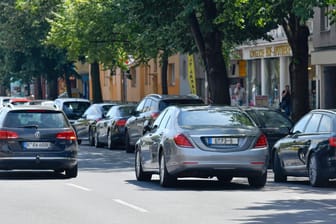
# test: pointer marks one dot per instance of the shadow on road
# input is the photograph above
(293, 211)
(193, 184)
(104, 160)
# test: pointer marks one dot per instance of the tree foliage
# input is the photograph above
(90, 30)
(23, 29)
(293, 15)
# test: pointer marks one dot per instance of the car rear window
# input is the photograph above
(126, 111)
(270, 119)
(213, 118)
(165, 103)
(38, 118)
(75, 109)
(106, 108)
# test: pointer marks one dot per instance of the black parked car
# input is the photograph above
(309, 149)
(148, 110)
(37, 138)
(110, 131)
(85, 126)
(273, 123)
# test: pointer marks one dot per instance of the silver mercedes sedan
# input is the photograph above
(203, 142)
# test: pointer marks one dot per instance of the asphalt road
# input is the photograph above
(106, 191)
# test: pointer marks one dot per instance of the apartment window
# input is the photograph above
(171, 74)
(325, 21)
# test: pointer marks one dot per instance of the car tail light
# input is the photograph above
(121, 123)
(154, 115)
(332, 141)
(181, 140)
(261, 142)
(66, 135)
(8, 135)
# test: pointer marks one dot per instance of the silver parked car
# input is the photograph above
(202, 141)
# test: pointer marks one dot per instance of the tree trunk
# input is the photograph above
(96, 88)
(209, 45)
(164, 71)
(39, 87)
(52, 88)
(298, 69)
(67, 82)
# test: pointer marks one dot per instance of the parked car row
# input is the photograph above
(139, 129)
(173, 137)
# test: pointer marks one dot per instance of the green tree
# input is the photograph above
(207, 26)
(89, 29)
(154, 32)
(22, 28)
(293, 15)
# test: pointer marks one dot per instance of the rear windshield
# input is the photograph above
(38, 118)
(271, 119)
(166, 103)
(214, 118)
(126, 111)
(74, 110)
(106, 108)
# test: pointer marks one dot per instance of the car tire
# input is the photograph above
(91, 137)
(97, 144)
(258, 181)
(224, 179)
(79, 141)
(139, 173)
(316, 176)
(72, 172)
(279, 175)
(128, 147)
(166, 179)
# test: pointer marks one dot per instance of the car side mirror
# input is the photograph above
(291, 132)
(135, 113)
(285, 130)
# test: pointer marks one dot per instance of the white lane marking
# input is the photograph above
(130, 205)
(79, 187)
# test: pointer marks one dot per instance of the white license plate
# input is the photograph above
(223, 141)
(36, 145)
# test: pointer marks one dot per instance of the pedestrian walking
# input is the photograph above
(285, 103)
(239, 93)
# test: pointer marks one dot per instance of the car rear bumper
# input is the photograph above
(239, 164)
(37, 163)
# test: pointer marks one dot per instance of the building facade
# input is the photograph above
(140, 80)
(263, 69)
(324, 58)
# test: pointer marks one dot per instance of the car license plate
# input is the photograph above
(223, 141)
(36, 145)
